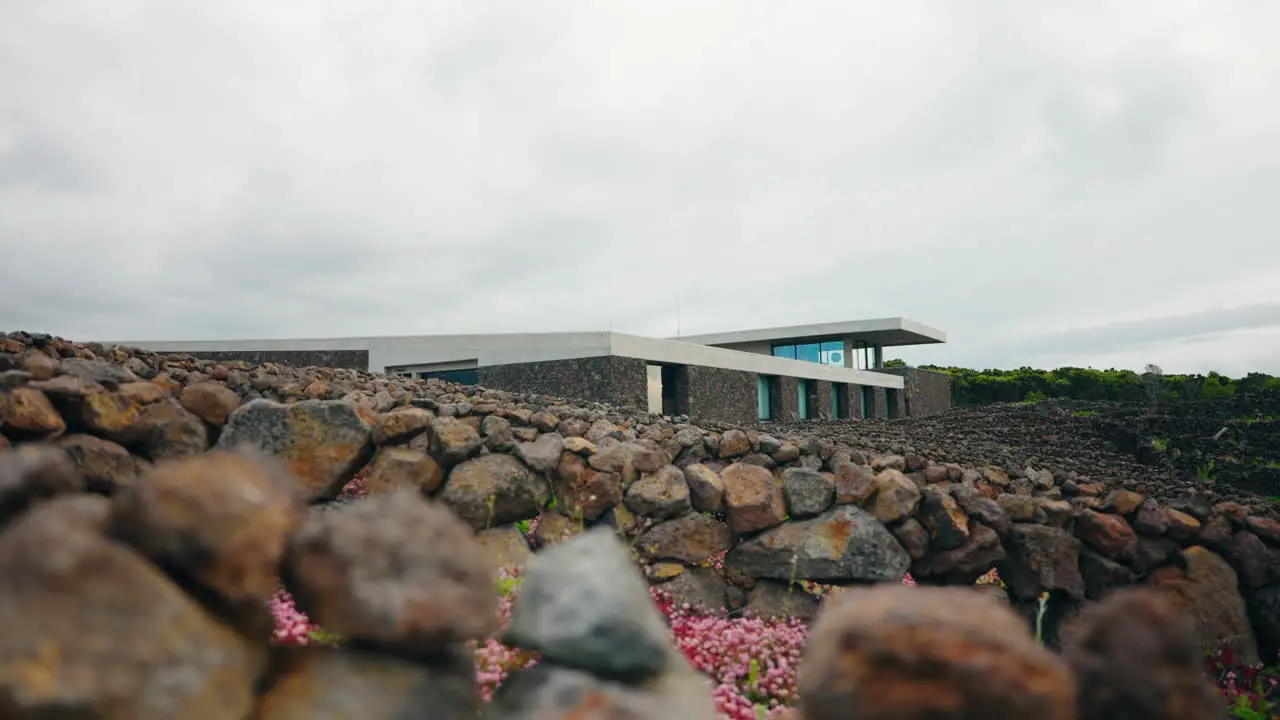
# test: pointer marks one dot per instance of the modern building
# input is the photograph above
(832, 370)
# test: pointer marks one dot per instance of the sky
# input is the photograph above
(1090, 183)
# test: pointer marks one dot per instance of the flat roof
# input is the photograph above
(887, 332)
(418, 351)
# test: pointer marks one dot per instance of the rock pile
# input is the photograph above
(724, 517)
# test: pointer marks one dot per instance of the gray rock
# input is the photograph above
(493, 490)
(845, 544)
(808, 492)
(542, 454)
(660, 495)
(584, 605)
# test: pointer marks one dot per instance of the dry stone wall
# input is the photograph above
(179, 488)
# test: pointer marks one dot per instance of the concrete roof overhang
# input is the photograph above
(887, 332)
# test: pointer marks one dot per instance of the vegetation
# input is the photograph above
(979, 387)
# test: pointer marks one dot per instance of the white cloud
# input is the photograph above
(1007, 172)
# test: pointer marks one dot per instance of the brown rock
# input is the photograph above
(323, 442)
(947, 524)
(689, 539)
(872, 648)
(896, 497)
(393, 570)
(41, 366)
(854, 483)
(27, 412)
(1216, 533)
(348, 685)
(734, 444)
(110, 414)
(660, 495)
(888, 462)
(166, 430)
(220, 519)
(1041, 558)
(106, 466)
(453, 440)
(1108, 534)
(1021, 508)
(396, 467)
(1182, 527)
(1122, 502)
(212, 402)
(33, 472)
(965, 564)
(753, 499)
(1151, 519)
(554, 527)
(144, 393)
(1136, 658)
(1266, 528)
(995, 476)
(583, 492)
(1206, 591)
(706, 490)
(506, 547)
(558, 693)
(913, 537)
(76, 653)
(492, 490)
(771, 599)
(400, 425)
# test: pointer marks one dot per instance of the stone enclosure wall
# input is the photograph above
(719, 517)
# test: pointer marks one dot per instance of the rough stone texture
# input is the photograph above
(395, 467)
(896, 652)
(895, 497)
(582, 491)
(753, 499)
(77, 653)
(784, 399)
(807, 492)
(691, 538)
(211, 401)
(322, 442)
(220, 520)
(659, 495)
(356, 359)
(1041, 558)
(584, 606)
(34, 472)
(346, 684)
(842, 545)
(493, 490)
(706, 489)
(1136, 656)
(392, 570)
(925, 392)
(603, 379)
(721, 395)
(1207, 592)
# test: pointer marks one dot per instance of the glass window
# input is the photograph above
(866, 401)
(832, 353)
(785, 351)
(762, 397)
(809, 352)
(803, 386)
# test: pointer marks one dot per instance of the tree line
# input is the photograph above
(979, 387)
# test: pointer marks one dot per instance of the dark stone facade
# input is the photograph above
(851, 399)
(926, 392)
(822, 409)
(356, 359)
(784, 399)
(879, 403)
(725, 395)
(615, 380)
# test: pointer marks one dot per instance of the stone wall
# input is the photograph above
(725, 395)
(355, 359)
(717, 517)
(618, 380)
(925, 392)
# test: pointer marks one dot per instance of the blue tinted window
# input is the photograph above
(803, 386)
(809, 352)
(833, 353)
(785, 351)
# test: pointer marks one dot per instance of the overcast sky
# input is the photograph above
(1090, 183)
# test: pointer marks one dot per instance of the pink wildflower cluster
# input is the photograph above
(494, 660)
(293, 627)
(752, 661)
(1252, 690)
